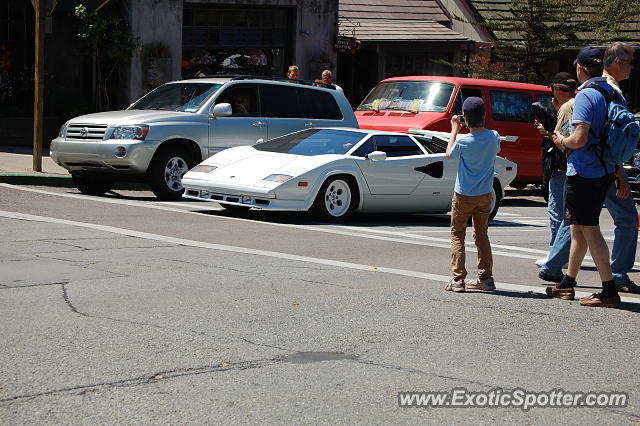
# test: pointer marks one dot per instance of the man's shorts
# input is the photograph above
(583, 199)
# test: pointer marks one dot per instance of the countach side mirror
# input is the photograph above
(376, 156)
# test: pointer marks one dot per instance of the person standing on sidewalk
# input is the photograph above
(472, 197)
(618, 200)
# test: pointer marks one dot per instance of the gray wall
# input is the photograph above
(154, 21)
(151, 22)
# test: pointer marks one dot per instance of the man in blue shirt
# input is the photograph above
(618, 60)
(588, 180)
(473, 195)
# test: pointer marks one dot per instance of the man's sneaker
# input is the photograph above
(455, 285)
(597, 300)
(549, 277)
(561, 293)
(486, 284)
(541, 262)
(629, 287)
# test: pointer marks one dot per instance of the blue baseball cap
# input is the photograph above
(589, 56)
(473, 106)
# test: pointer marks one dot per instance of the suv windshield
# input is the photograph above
(313, 142)
(409, 96)
(187, 97)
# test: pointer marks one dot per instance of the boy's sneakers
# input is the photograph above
(455, 285)
(486, 284)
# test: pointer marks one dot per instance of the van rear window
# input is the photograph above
(511, 106)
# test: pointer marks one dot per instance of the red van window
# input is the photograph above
(511, 106)
(545, 100)
(464, 93)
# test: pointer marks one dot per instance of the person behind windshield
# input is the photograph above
(241, 103)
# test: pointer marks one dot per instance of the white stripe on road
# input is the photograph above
(507, 251)
(272, 254)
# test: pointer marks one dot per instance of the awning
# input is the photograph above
(404, 30)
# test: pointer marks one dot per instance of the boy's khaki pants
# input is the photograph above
(464, 207)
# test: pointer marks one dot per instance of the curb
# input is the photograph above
(61, 181)
(41, 180)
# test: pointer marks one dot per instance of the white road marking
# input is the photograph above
(272, 254)
(511, 251)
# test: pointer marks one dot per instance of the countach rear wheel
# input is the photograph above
(495, 199)
(336, 199)
(92, 183)
(166, 171)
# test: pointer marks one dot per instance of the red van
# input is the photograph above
(429, 102)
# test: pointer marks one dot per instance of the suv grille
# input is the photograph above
(86, 131)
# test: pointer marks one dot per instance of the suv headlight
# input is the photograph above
(130, 132)
(635, 160)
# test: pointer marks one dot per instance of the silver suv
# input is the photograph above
(174, 127)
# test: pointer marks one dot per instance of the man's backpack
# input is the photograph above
(620, 132)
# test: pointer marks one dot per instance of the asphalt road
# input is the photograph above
(124, 310)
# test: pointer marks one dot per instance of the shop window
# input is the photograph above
(239, 40)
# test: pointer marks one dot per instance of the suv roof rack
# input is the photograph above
(266, 77)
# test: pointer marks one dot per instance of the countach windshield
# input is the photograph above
(187, 97)
(313, 142)
(417, 96)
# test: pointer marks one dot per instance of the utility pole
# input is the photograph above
(38, 98)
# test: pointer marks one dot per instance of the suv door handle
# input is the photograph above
(308, 124)
(258, 124)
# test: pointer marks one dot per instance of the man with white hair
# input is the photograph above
(327, 78)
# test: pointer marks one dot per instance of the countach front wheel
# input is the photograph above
(336, 199)
(92, 183)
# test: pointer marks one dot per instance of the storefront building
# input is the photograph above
(183, 39)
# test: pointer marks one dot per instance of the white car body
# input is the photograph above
(236, 177)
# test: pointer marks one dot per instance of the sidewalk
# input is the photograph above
(18, 161)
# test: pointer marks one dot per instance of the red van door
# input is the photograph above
(510, 114)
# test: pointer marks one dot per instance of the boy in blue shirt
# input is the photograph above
(473, 195)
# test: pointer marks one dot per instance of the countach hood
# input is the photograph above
(248, 166)
(130, 117)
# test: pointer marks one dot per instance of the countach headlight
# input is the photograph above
(203, 169)
(130, 132)
(278, 178)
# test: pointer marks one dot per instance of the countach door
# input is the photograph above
(403, 170)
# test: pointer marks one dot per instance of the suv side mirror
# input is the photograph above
(376, 156)
(221, 110)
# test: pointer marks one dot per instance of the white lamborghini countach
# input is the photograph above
(333, 172)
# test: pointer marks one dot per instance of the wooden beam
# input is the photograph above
(38, 98)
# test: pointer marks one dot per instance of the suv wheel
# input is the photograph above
(166, 171)
(92, 183)
(336, 199)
